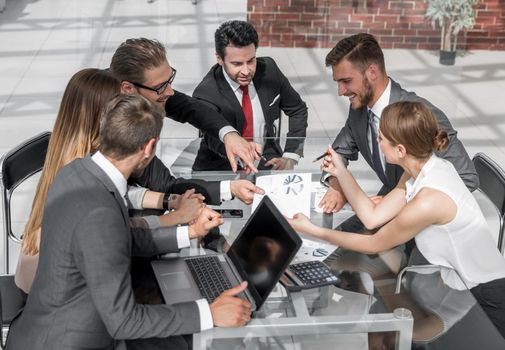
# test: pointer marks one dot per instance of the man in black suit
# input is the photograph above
(240, 76)
(142, 67)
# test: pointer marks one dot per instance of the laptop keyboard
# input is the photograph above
(209, 276)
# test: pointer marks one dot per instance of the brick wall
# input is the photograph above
(396, 23)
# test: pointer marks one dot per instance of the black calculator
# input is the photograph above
(309, 274)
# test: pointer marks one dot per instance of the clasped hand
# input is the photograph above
(207, 220)
(188, 206)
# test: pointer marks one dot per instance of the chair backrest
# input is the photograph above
(11, 301)
(17, 165)
(492, 183)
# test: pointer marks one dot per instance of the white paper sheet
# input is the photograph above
(319, 191)
(290, 192)
(314, 250)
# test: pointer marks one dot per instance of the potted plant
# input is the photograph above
(451, 16)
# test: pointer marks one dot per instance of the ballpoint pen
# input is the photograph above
(324, 154)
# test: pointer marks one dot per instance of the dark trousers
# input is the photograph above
(491, 297)
(146, 291)
(145, 287)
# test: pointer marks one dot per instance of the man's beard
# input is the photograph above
(366, 96)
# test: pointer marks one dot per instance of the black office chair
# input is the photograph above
(492, 184)
(17, 165)
(11, 301)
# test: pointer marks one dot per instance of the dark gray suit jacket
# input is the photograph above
(352, 140)
(275, 94)
(81, 297)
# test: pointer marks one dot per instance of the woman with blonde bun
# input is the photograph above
(430, 203)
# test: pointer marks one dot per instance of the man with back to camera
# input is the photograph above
(142, 67)
(250, 92)
(81, 296)
(358, 67)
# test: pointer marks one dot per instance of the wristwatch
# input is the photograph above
(166, 201)
(167, 197)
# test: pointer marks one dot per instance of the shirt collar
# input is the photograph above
(383, 101)
(115, 175)
(412, 184)
(233, 84)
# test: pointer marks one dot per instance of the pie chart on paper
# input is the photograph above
(291, 193)
(292, 185)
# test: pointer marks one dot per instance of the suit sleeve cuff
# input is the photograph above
(136, 196)
(182, 237)
(225, 190)
(224, 130)
(290, 155)
(324, 179)
(153, 221)
(206, 321)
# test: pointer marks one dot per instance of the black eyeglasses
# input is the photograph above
(163, 85)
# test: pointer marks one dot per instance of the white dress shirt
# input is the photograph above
(465, 243)
(258, 116)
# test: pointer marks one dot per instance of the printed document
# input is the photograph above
(289, 192)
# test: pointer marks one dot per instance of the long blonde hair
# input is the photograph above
(74, 135)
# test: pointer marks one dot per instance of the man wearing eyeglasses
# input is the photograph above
(161, 89)
(142, 67)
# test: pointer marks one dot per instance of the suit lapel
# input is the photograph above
(229, 97)
(107, 182)
(362, 120)
(262, 91)
(393, 172)
(362, 117)
(396, 90)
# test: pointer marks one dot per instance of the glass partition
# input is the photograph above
(180, 153)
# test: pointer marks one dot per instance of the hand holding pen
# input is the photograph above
(332, 162)
(336, 148)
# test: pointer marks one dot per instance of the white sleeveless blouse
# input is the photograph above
(464, 244)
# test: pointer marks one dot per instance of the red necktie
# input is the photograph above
(248, 131)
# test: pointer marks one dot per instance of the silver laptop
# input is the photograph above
(260, 254)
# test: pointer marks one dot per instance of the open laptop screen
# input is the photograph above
(263, 249)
